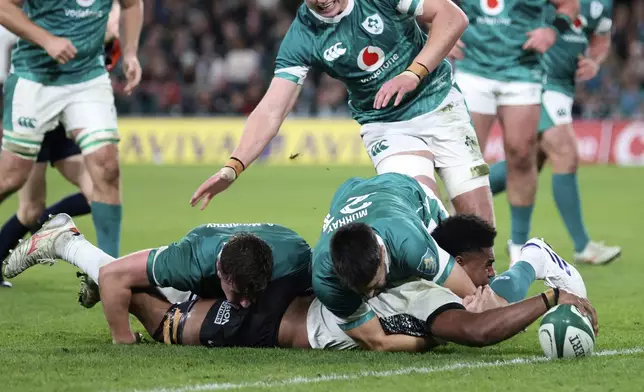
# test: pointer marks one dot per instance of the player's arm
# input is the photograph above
(370, 336)
(116, 281)
(569, 8)
(493, 326)
(448, 24)
(112, 30)
(598, 48)
(15, 20)
(132, 22)
(291, 67)
(264, 122)
(542, 38)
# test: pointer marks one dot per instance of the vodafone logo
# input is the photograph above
(492, 7)
(629, 145)
(371, 58)
(578, 24)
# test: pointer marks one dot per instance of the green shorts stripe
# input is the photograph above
(18, 140)
(9, 91)
(89, 145)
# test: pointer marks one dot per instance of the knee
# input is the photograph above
(564, 158)
(521, 157)
(30, 212)
(106, 167)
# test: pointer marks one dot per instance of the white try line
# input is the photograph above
(383, 373)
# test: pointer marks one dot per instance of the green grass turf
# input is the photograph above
(49, 343)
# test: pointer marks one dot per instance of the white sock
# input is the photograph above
(81, 253)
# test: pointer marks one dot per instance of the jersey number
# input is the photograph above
(355, 204)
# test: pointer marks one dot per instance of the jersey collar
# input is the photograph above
(337, 18)
(381, 242)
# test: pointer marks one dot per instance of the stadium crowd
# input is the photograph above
(215, 57)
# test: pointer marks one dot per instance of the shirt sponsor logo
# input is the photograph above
(334, 52)
(82, 14)
(223, 314)
(492, 7)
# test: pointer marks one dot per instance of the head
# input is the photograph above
(327, 8)
(470, 240)
(359, 259)
(245, 267)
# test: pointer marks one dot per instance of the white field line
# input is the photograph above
(383, 373)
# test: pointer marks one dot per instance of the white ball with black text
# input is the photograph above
(566, 333)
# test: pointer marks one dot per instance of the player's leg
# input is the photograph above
(92, 124)
(560, 144)
(449, 135)
(393, 150)
(519, 112)
(480, 97)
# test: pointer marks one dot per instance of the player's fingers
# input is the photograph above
(460, 44)
(206, 201)
(386, 98)
(399, 97)
(528, 44)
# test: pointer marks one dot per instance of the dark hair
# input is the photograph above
(355, 253)
(464, 233)
(247, 262)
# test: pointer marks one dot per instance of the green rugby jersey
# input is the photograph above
(369, 43)
(495, 36)
(81, 21)
(561, 59)
(191, 263)
(399, 211)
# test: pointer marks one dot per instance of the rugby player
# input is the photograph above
(414, 119)
(235, 261)
(283, 317)
(576, 57)
(377, 235)
(63, 154)
(59, 76)
(500, 70)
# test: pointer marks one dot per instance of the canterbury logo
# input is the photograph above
(27, 122)
(378, 148)
(334, 52)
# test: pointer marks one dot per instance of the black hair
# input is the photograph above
(355, 254)
(463, 233)
(247, 262)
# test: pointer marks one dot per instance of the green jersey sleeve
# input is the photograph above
(408, 7)
(416, 253)
(293, 58)
(601, 13)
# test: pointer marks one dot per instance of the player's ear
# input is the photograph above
(459, 260)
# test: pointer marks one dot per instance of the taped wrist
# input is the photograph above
(550, 298)
(235, 167)
(418, 69)
(561, 23)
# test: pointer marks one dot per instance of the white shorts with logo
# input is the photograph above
(556, 109)
(484, 95)
(33, 109)
(409, 304)
(446, 132)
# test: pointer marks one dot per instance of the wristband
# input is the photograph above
(408, 72)
(550, 298)
(418, 69)
(237, 165)
(561, 23)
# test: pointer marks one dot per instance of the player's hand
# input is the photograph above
(540, 40)
(209, 189)
(60, 49)
(457, 51)
(587, 69)
(132, 70)
(482, 300)
(582, 304)
(396, 87)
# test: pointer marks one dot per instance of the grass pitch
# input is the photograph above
(49, 343)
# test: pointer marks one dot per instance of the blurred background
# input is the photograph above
(215, 57)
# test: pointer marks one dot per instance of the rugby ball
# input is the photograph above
(565, 333)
